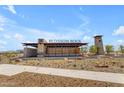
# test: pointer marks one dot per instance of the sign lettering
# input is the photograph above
(64, 41)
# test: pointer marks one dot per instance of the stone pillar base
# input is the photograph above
(40, 55)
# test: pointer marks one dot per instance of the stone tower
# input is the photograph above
(41, 47)
(99, 44)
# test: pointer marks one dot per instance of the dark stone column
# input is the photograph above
(99, 44)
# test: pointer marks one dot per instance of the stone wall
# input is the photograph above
(30, 52)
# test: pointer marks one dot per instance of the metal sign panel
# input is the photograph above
(64, 41)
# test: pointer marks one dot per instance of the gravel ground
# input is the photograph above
(115, 65)
(105, 64)
(41, 80)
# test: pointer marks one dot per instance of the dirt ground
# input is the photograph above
(115, 65)
(103, 64)
(41, 80)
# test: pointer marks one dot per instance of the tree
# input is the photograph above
(109, 48)
(93, 49)
(121, 48)
(83, 49)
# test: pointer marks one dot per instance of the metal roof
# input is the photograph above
(55, 44)
(98, 36)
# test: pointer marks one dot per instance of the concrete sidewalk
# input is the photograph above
(7, 69)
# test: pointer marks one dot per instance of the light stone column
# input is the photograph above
(41, 50)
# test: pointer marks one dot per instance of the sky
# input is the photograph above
(20, 24)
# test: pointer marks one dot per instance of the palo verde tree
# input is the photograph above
(93, 49)
(84, 49)
(109, 49)
(121, 48)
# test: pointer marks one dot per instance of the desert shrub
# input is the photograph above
(83, 49)
(121, 66)
(74, 65)
(109, 48)
(4, 59)
(93, 49)
(121, 48)
(82, 68)
(97, 62)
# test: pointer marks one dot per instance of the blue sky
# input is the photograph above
(28, 23)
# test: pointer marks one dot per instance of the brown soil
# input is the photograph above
(115, 65)
(41, 80)
(103, 64)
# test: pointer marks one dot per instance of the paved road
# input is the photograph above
(7, 69)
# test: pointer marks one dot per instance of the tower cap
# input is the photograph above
(98, 36)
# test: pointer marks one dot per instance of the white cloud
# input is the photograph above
(41, 33)
(18, 36)
(1, 29)
(28, 41)
(2, 47)
(120, 42)
(11, 8)
(6, 36)
(3, 42)
(61, 33)
(65, 32)
(84, 20)
(86, 38)
(17, 33)
(2, 21)
(22, 16)
(117, 44)
(119, 31)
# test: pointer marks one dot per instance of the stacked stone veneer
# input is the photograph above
(99, 45)
(30, 52)
(41, 47)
